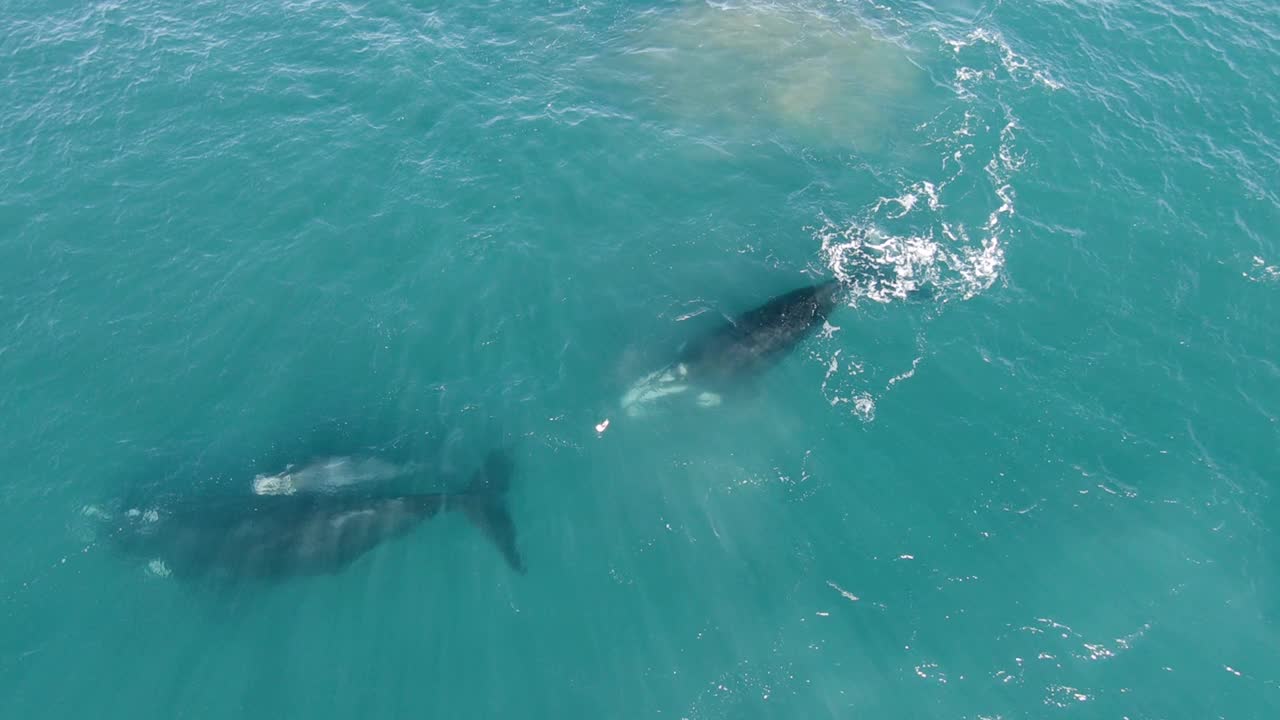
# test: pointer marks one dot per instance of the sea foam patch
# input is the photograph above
(940, 235)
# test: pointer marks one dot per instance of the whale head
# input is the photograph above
(649, 389)
(826, 296)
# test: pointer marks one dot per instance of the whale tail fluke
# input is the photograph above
(485, 504)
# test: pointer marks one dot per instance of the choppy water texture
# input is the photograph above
(1026, 471)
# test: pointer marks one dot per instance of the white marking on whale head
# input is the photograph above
(328, 474)
(653, 386)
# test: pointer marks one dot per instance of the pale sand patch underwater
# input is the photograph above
(770, 69)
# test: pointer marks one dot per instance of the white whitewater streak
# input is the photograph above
(1014, 64)
(843, 593)
(904, 376)
(941, 235)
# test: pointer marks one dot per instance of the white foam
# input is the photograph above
(928, 233)
(1011, 62)
(883, 268)
(927, 189)
(864, 407)
(281, 484)
(904, 376)
(861, 404)
(911, 239)
(1262, 272)
(843, 593)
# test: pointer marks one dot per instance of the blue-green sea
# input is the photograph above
(1028, 468)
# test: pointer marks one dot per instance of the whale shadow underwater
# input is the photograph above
(264, 537)
(742, 347)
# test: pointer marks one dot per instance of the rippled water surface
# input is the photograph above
(1026, 469)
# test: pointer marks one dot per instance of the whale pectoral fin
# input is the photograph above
(708, 400)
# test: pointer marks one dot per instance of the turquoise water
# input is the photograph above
(1043, 488)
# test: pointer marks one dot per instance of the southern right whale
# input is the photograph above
(743, 346)
(254, 536)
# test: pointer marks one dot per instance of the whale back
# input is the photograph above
(757, 338)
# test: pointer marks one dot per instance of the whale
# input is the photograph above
(740, 348)
(271, 537)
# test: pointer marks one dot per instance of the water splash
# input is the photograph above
(1011, 62)
(882, 267)
(940, 235)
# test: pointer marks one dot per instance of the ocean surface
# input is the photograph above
(1027, 469)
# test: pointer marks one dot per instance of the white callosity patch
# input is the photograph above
(328, 474)
(653, 387)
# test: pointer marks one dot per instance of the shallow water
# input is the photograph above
(1026, 470)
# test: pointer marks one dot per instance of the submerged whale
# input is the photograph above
(743, 346)
(274, 536)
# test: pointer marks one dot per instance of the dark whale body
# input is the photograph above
(741, 347)
(753, 341)
(274, 536)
